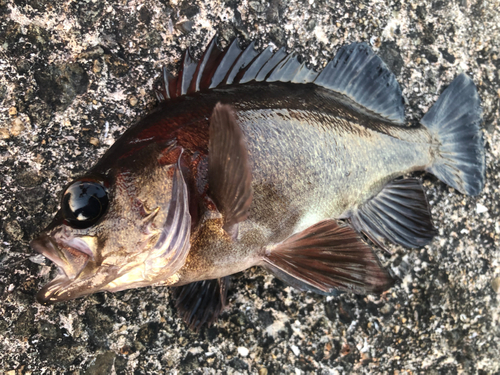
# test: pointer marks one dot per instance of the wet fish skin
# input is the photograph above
(317, 151)
(271, 123)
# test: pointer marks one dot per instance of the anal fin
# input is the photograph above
(399, 213)
(201, 302)
(327, 257)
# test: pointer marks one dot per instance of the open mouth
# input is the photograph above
(45, 246)
(71, 255)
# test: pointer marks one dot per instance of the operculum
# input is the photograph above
(170, 251)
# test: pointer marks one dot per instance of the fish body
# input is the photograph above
(256, 168)
(324, 175)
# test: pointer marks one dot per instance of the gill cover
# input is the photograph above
(173, 244)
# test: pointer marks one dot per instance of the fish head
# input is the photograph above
(124, 230)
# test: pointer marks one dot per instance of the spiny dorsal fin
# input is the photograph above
(355, 72)
(229, 57)
(244, 59)
(251, 71)
(186, 74)
(269, 65)
(206, 65)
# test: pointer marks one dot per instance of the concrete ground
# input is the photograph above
(75, 74)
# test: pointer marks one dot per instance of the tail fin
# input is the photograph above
(454, 122)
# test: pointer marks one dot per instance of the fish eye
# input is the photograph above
(84, 202)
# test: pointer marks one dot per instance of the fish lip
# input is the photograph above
(62, 253)
(47, 295)
(45, 245)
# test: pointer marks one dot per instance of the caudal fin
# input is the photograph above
(454, 123)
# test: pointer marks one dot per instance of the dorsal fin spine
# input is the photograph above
(355, 72)
(228, 58)
(278, 56)
(166, 78)
(244, 59)
(172, 87)
(286, 70)
(252, 69)
(188, 68)
(202, 64)
(212, 63)
(304, 75)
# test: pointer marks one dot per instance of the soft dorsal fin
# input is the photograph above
(362, 76)
(355, 72)
(244, 59)
(251, 71)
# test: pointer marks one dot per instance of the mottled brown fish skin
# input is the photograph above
(313, 155)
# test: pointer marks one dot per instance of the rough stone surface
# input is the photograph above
(70, 70)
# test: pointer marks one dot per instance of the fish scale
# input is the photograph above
(332, 173)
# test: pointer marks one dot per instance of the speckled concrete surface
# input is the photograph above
(75, 74)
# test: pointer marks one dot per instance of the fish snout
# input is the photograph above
(70, 255)
(44, 245)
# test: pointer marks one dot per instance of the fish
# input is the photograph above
(254, 159)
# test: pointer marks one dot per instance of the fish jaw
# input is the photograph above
(46, 246)
(73, 257)
(71, 254)
(80, 273)
(63, 288)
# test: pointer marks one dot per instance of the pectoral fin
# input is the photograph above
(201, 302)
(327, 257)
(229, 174)
(399, 213)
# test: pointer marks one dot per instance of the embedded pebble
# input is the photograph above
(481, 209)
(133, 101)
(4, 133)
(17, 127)
(295, 350)
(243, 351)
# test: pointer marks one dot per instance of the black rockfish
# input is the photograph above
(251, 159)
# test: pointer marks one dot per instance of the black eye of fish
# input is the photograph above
(84, 203)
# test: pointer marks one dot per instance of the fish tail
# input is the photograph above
(454, 122)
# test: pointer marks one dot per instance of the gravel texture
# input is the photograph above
(75, 74)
